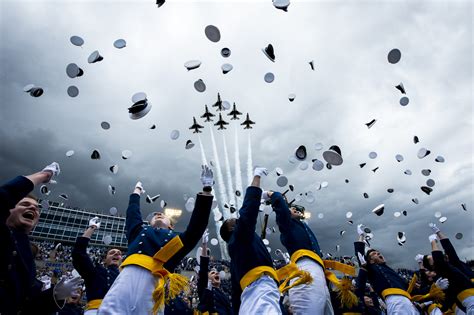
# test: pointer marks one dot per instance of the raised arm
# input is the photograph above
(203, 267)
(134, 221)
(447, 245)
(283, 214)
(80, 259)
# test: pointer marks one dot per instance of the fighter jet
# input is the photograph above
(196, 126)
(247, 123)
(221, 123)
(234, 113)
(218, 104)
(207, 115)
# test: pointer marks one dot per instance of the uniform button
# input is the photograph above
(166, 240)
(108, 278)
(14, 253)
(140, 243)
(143, 234)
(139, 251)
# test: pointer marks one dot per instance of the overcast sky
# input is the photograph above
(352, 84)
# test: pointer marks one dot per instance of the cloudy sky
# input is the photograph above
(352, 84)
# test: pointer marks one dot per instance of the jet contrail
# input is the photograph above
(220, 179)
(203, 154)
(230, 189)
(249, 161)
(238, 172)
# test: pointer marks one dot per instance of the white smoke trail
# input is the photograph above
(203, 154)
(230, 189)
(238, 172)
(249, 161)
(220, 179)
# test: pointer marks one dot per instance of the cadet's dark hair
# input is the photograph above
(367, 255)
(227, 229)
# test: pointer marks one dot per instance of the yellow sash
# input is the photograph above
(93, 304)
(465, 294)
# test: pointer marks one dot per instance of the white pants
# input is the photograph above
(436, 311)
(131, 293)
(261, 297)
(400, 305)
(311, 298)
(468, 303)
(459, 311)
(91, 312)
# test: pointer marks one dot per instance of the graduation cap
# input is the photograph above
(111, 190)
(163, 204)
(311, 64)
(63, 196)
(371, 123)
(427, 190)
(443, 219)
(150, 199)
(226, 67)
(390, 190)
(437, 214)
(212, 33)
(401, 88)
(333, 156)
(423, 153)
(458, 236)
(95, 155)
(120, 43)
(107, 240)
(320, 215)
(397, 214)
(269, 52)
(113, 211)
(192, 64)
(28, 88)
(153, 126)
(430, 182)
(214, 241)
(291, 97)
(328, 166)
(282, 181)
(189, 145)
(373, 155)
(309, 197)
(238, 193)
(95, 57)
(44, 190)
(159, 3)
(36, 92)
(126, 154)
(407, 172)
(72, 91)
(114, 169)
(415, 200)
(350, 222)
(318, 146)
(301, 153)
(346, 180)
(399, 157)
(140, 106)
(324, 184)
(375, 169)
(439, 159)
(401, 238)
(72, 71)
(269, 77)
(281, 4)
(404, 212)
(379, 209)
(278, 171)
(318, 185)
(200, 86)
(225, 52)
(361, 165)
(105, 125)
(394, 56)
(463, 206)
(366, 195)
(303, 165)
(426, 172)
(341, 233)
(292, 159)
(404, 101)
(174, 134)
(415, 139)
(70, 153)
(76, 41)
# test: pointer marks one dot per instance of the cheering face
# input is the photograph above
(376, 257)
(160, 220)
(431, 275)
(25, 215)
(214, 277)
(368, 301)
(295, 214)
(114, 257)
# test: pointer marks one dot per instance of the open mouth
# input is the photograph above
(29, 215)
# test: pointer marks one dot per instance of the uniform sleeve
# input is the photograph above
(202, 277)
(11, 193)
(247, 221)
(133, 222)
(236, 293)
(450, 251)
(361, 281)
(80, 259)
(41, 302)
(359, 247)
(195, 229)
(283, 214)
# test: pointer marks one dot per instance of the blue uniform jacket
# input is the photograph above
(380, 276)
(147, 240)
(294, 234)
(20, 291)
(454, 259)
(246, 249)
(97, 278)
(213, 300)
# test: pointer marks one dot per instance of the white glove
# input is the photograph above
(432, 237)
(64, 289)
(434, 227)
(442, 283)
(360, 230)
(205, 237)
(95, 221)
(57, 246)
(207, 177)
(265, 196)
(260, 171)
(140, 186)
(53, 169)
(362, 260)
(419, 258)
